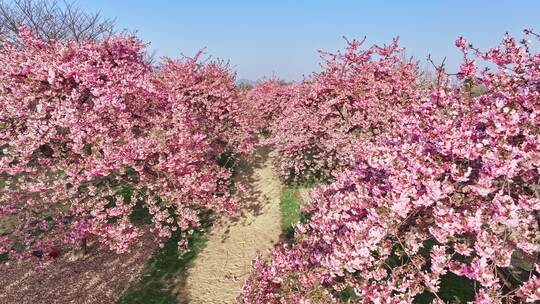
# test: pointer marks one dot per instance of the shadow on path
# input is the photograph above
(219, 270)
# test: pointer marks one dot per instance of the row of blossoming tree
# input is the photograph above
(89, 132)
(426, 185)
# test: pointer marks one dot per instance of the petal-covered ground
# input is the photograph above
(100, 276)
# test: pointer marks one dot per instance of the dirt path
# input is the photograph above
(221, 268)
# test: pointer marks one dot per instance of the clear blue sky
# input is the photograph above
(261, 38)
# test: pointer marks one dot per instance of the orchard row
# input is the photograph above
(90, 133)
(431, 185)
(422, 178)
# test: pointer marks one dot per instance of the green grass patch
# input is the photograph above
(290, 209)
(158, 278)
(290, 206)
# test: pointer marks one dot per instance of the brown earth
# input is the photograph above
(220, 269)
(100, 276)
(305, 195)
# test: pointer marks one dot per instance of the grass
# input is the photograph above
(157, 282)
(290, 209)
(290, 206)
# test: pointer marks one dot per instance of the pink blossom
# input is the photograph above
(461, 42)
(446, 167)
(467, 69)
(531, 289)
(89, 129)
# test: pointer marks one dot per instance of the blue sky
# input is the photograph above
(261, 38)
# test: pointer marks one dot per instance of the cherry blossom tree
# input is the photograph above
(81, 122)
(208, 90)
(354, 99)
(452, 196)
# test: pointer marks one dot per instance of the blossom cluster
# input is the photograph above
(88, 130)
(451, 192)
(209, 92)
(314, 124)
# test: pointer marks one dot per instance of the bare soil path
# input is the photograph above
(220, 269)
